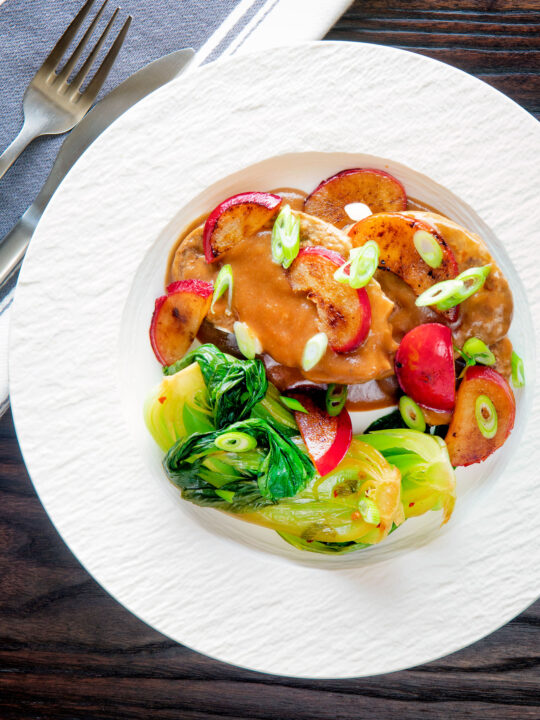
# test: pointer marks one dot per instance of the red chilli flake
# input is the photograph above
(162, 399)
(356, 515)
(411, 504)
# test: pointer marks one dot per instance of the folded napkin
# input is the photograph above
(214, 28)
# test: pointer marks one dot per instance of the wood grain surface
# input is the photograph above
(68, 650)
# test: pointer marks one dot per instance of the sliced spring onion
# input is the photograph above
(412, 415)
(336, 397)
(285, 237)
(360, 267)
(518, 371)
(428, 248)
(292, 404)
(235, 442)
(223, 282)
(449, 293)
(370, 511)
(477, 351)
(248, 343)
(486, 416)
(314, 350)
(471, 280)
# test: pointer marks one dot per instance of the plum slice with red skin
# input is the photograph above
(327, 438)
(235, 219)
(377, 189)
(394, 233)
(177, 317)
(466, 444)
(424, 366)
(344, 313)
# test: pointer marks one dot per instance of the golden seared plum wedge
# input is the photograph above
(344, 313)
(377, 189)
(236, 218)
(465, 441)
(425, 366)
(327, 438)
(177, 318)
(395, 235)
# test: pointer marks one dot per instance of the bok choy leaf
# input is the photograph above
(234, 386)
(274, 469)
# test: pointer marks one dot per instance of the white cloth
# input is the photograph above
(275, 22)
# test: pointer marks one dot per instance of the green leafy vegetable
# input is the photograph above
(328, 509)
(392, 421)
(427, 477)
(273, 411)
(325, 548)
(178, 406)
(275, 469)
(234, 386)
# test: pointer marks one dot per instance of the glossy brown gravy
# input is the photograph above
(276, 314)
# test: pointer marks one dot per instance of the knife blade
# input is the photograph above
(134, 88)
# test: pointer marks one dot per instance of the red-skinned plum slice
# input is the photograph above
(466, 444)
(394, 233)
(377, 189)
(327, 438)
(344, 313)
(425, 366)
(235, 219)
(177, 317)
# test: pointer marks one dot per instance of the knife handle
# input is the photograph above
(13, 248)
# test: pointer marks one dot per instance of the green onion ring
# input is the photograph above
(412, 415)
(336, 397)
(518, 371)
(235, 442)
(486, 416)
(449, 293)
(438, 292)
(223, 282)
(370, 511)
(248, 343)
(292, 404)
(314, 350)
(360, 267)
(478, 352)
(285, 237)
(428, 248)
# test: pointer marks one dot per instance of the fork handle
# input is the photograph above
(30, 130)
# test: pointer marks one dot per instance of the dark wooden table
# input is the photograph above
(68, 650)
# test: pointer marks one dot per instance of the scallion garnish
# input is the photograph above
(248, 343)
(360, 267)
(336, 397)
(449, 293)
(412, 415)
(314, 350)
(223, 282)
(370, 511)
(518, 371)
(285, 237)
(477, 351)
(486, 416)
(292, 404)
(235, 442)
(428, 248)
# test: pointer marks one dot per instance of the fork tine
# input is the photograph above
(54, 57)
(101, 75)
(87, 65)
(64, 74)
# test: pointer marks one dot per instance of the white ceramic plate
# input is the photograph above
(81, 363)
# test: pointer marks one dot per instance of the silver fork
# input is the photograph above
(51, 103)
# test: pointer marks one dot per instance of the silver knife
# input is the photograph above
(137, 86)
